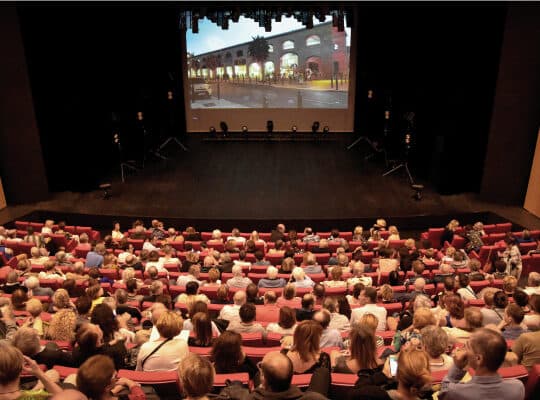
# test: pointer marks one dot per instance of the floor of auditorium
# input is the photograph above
(267, 180)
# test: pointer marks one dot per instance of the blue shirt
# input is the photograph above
(93, 259)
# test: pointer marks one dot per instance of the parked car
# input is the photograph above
(199, 87)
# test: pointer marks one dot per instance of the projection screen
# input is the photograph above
(291, 75)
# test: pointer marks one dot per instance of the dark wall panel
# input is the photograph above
(516, 112)
(21, 162)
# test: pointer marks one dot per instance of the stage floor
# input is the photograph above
(262, 180)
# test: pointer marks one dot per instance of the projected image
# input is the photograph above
(246, 67)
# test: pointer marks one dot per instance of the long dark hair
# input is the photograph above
(202, 327)
(103, 316)
(227, 352)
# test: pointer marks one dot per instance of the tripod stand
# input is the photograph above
(167, 141)
(128, 165)
(374, 148)
(402, 164)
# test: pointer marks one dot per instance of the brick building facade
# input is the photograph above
(315, 53)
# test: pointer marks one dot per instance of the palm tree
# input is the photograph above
(258, 50)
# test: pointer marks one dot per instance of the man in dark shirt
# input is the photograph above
(307, 311)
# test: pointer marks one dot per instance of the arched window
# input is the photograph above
(313, 40)
(288, 44)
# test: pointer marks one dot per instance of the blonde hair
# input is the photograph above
(423, 317)
(510, 284)
(34, 307)
(27, 341)
(387, 293)
(61, 299)
(11, 361)
(370, 321)
(62, 326)
(413, 369)
(169, 324)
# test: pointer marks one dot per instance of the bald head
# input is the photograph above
(419, 284)
(277, 371)
(239, 298)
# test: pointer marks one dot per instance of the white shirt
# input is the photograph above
(159, 266)
(364, 280)
(117, 235)
(166, 358)
(230, 312)
(149, 246)
(239, 239)
(378, 311)
(530, 290)
(172, 260)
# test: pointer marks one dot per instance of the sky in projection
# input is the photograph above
(211, 37)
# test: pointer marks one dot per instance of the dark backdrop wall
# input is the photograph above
(21, 161)
(516, 113)
(86, 61)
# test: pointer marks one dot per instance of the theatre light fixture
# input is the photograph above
(315, 127)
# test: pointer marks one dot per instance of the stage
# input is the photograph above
(262, 180)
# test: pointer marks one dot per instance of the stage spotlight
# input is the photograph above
(140, 116)
(294, 128)
(244, 129)
(212, 130)
(269, 126)
(326, 129)
(315, 127)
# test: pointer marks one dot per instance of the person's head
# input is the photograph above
(61, 299)
(202, 327)
(11, 362)
(423, 317)
(454, 305)
(131, 285)
(94, 291)
(319, 291)
(308, 301)
(514, 314)
(500, 299)
(237, 271)
(323, 318)
(196, 376)
(272, 272)
(330, 304)
(289, 292)
(103, 316)
(252, 292)
(336, 273)
(363, 346)
(27, 341)
(521, 298)
(534, 279)
(413, 370)
(192, 287)
(270, 297)
(449, 283)
(419, 284)
(222, 292)
(393, 278)
(435, 340)
(120, 296)
(500, 266)
(473, 318)
(34, 307)
(34, 252)
(418, 267)
(306, 339)
(169, 324)
(83, 305)
(96, 376)
(18, 299)
(276, 372)
(486, 349)
(488, 295)
(240, 298)
(287, 265)
(247, 313)
(156, 288)
(510, 284)
(89, 338)
(463, 280)
(287, 317)
(358, 288)
(370, 295)
(311, 259)
(387, 293)
(370, 321)
(227, 351)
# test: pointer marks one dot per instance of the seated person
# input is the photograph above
(484, 353)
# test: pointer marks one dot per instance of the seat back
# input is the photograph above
(532, 388)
